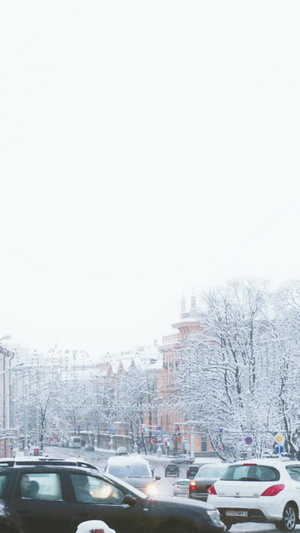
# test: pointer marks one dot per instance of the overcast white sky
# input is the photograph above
(146, 148)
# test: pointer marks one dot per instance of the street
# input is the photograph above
(99, 458)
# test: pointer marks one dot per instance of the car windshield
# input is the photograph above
(123, 471)
(251, 472)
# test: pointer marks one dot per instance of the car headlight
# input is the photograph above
(215, 516)
(152, 489)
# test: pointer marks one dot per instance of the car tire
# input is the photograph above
(289, 518)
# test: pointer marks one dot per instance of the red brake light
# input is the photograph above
(212, 490)
(273, 490)
(249, 464)
(193, 485)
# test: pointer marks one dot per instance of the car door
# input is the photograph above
(46, 510)
(98, 499)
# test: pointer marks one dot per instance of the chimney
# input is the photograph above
(183, 306)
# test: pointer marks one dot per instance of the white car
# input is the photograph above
(259, 490)
(121, 450)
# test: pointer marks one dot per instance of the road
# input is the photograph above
(99, 458)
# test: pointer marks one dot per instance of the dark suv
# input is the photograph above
(172, 470)
(192, 471)
(46, 498)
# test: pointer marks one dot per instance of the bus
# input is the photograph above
(74, 442)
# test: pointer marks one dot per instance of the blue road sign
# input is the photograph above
(248, 440)
(279, 448)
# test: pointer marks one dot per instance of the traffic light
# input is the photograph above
(166, 443)
(36, 451)
(222, 447)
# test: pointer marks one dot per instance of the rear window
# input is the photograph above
(211, 472)
(251, 473)
(131, 470)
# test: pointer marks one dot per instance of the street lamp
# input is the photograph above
(6, 409)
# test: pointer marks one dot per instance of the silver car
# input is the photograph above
(181, 487)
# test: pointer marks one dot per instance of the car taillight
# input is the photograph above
(212, 490)
(272, 491)
(193, 485)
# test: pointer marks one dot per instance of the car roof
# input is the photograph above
(23, 461)
(50, 467)
(214, 465)
(127, 459)
(277, 463)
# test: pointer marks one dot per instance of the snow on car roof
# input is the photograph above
(125, 459)
(205, 460)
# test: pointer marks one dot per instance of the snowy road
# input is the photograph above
(166, 484)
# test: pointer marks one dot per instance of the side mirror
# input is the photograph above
(129, 500)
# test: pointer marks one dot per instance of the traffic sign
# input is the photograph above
(279, 448)
(279, 438)
(248, 440)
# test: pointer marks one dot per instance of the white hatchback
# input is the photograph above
(259, 490)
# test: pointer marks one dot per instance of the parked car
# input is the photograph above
(204, 479)
(121, 450)
(182, 458)
(172, 470)
(136, 471)
(89, 448)
(66, 493)
(181, 487)
(192, 471)
(259, 490)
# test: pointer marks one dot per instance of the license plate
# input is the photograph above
(236, 513)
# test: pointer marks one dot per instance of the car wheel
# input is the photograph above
(289, 518)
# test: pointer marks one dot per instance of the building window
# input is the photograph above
(203, 444)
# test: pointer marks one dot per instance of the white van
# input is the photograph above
(134, 470)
